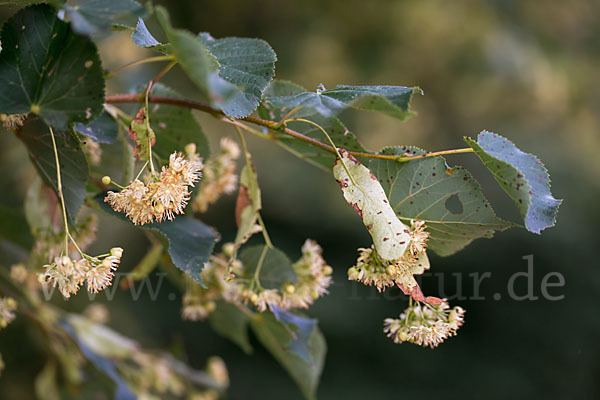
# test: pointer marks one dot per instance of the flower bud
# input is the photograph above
(289, 288)
(106, 180)
(327, 270)
(116, 251)
(190, 148)
(253, 298)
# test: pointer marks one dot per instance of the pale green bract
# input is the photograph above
(364, 193)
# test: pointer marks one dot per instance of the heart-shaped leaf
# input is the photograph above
(47, 69)
(449, 200)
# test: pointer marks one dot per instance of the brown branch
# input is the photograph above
(274, 126)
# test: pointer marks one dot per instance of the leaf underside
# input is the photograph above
(522, 176)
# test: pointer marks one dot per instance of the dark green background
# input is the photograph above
(527, 70)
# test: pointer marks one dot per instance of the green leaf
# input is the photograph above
(248, 64)
(37, 210)
(390, 100)
(277, 336)
(365, 194)
(449, 200)
(522, 176)
(175, 127)
(14, 227)
(190, 52)
(333, 126)
(47, 69)
(73, 165)
(191, 242)
(231, 322)
(276, 268)
(103, 129)
(94, 17)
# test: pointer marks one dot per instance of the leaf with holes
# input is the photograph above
(103, 129)
(95, 17)
(364, 193)
(275, 267)
(449, 200)
(47, 69)
(248, 64)
(277, 337)
(522, 176)
(191, 242)
(333, 126)
(390, 100)
(35, 134)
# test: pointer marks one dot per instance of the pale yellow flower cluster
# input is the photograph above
(371, 269)
(12, 121)
(49, 244)
(313, 278)
(219, 175)
(424, 324)
(8, 305)
(161, 199)
(199, 302)
(69, 275)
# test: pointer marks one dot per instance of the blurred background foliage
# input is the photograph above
(525, 69)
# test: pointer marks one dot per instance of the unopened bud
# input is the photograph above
(106, 180)
(289, 288)
(117, 252)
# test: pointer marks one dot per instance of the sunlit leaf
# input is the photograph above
(522, 176)
(73, 164)
(191, 53)
(449, 200)
(47, 69)
(248, 64)
(365, 194)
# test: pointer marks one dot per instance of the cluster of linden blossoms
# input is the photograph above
(424, 324)
(313, 279)
(199, 302)
(371, 269)
(218, 175)
(8, 305)
(160, 198)
(12, 121)
(70, 274)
